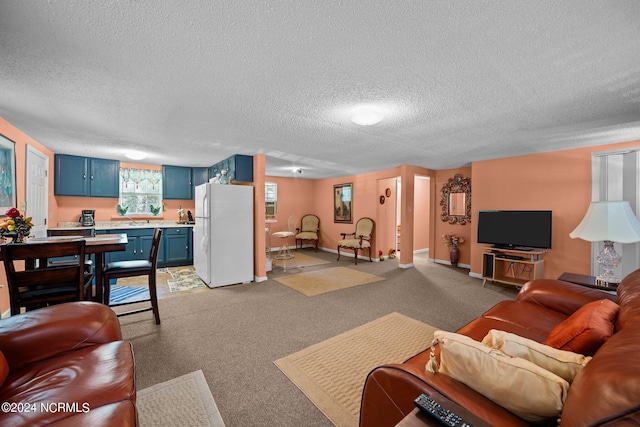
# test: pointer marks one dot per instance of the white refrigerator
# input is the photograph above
(223, 234)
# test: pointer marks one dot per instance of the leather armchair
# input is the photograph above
(70, 354)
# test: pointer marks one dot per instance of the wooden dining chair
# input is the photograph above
(120, 269)
(37, 285)
(72, 232)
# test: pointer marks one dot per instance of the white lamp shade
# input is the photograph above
(614, 221)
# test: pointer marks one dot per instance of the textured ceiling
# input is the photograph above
(191, 82)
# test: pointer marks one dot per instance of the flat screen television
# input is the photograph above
(515, 229)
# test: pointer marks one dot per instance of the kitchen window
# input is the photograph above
(140, 191)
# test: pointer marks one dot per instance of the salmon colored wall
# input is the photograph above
(440, 251)
(22, 140)
(295, 197)
(386, 216)
(421, 235)
(559, 181)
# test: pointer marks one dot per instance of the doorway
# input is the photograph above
(37, 190)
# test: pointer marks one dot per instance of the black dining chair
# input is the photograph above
(39, 285)
(120, 269)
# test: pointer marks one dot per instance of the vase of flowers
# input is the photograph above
(452, 240)
(15, 226)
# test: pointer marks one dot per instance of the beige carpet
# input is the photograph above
(312, 283)
(332, 373)
(184, 279)
(182, 401)
(300, 260)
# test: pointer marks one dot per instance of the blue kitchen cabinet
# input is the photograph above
(178, 244)
(199, 176)
(175, 245)
(86, 176)
(138, 246)
(239, 168)
(176, 183)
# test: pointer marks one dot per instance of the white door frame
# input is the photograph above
(37, 190)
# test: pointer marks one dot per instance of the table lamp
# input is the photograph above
(608, 222)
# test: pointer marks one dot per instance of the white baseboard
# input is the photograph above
(260, 279)
(406, 265)
(441, 261)
(475, 275)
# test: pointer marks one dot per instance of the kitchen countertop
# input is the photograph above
(113, 225)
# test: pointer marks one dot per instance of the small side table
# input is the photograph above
(588, 281)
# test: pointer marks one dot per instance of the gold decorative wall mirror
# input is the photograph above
(456, 200)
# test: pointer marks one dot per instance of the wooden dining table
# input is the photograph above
(97, 246)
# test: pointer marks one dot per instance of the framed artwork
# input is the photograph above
(343, 203)
(7, 174)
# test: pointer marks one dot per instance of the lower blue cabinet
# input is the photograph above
(175, 246)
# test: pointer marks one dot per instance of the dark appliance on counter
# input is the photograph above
(87, 218)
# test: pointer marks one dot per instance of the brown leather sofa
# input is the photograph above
(606, 392)
(66, 365)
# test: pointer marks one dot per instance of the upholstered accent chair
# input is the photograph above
(308, 230)
(358, 240)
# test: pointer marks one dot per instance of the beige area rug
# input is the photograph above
(332, 373)
(182, 401)
(299, 260)
(312, 283)
(184, 280)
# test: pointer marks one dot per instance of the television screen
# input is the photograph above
(515, 229)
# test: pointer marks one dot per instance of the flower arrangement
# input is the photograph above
(16, 225)
(380, 255)
(451, 239)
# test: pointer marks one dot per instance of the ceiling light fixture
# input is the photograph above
(297, 171)
(135, 155)
(367, 115)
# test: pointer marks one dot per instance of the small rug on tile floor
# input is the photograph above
(182, 401)
(184, 279)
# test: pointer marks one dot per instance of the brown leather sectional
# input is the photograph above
(66, 365)
(606, 392)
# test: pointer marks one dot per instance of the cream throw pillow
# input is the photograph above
(522, 387)
(564, 364)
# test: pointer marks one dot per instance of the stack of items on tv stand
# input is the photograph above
(512, 266)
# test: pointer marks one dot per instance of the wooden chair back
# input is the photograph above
(38, 286)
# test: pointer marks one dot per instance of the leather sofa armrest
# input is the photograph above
(563, 297)
(50, 331)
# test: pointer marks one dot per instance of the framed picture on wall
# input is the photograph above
(343, 203)
(7, 174)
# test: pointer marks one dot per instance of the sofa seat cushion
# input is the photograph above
(586, 329)
(95, 376)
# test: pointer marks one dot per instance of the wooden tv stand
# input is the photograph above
(512, 266)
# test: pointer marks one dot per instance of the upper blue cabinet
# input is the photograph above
(86, 176)
(239, 168)
(176, 183)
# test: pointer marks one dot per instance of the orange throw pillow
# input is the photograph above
(586, 329)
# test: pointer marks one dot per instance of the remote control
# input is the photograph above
(435, 410)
